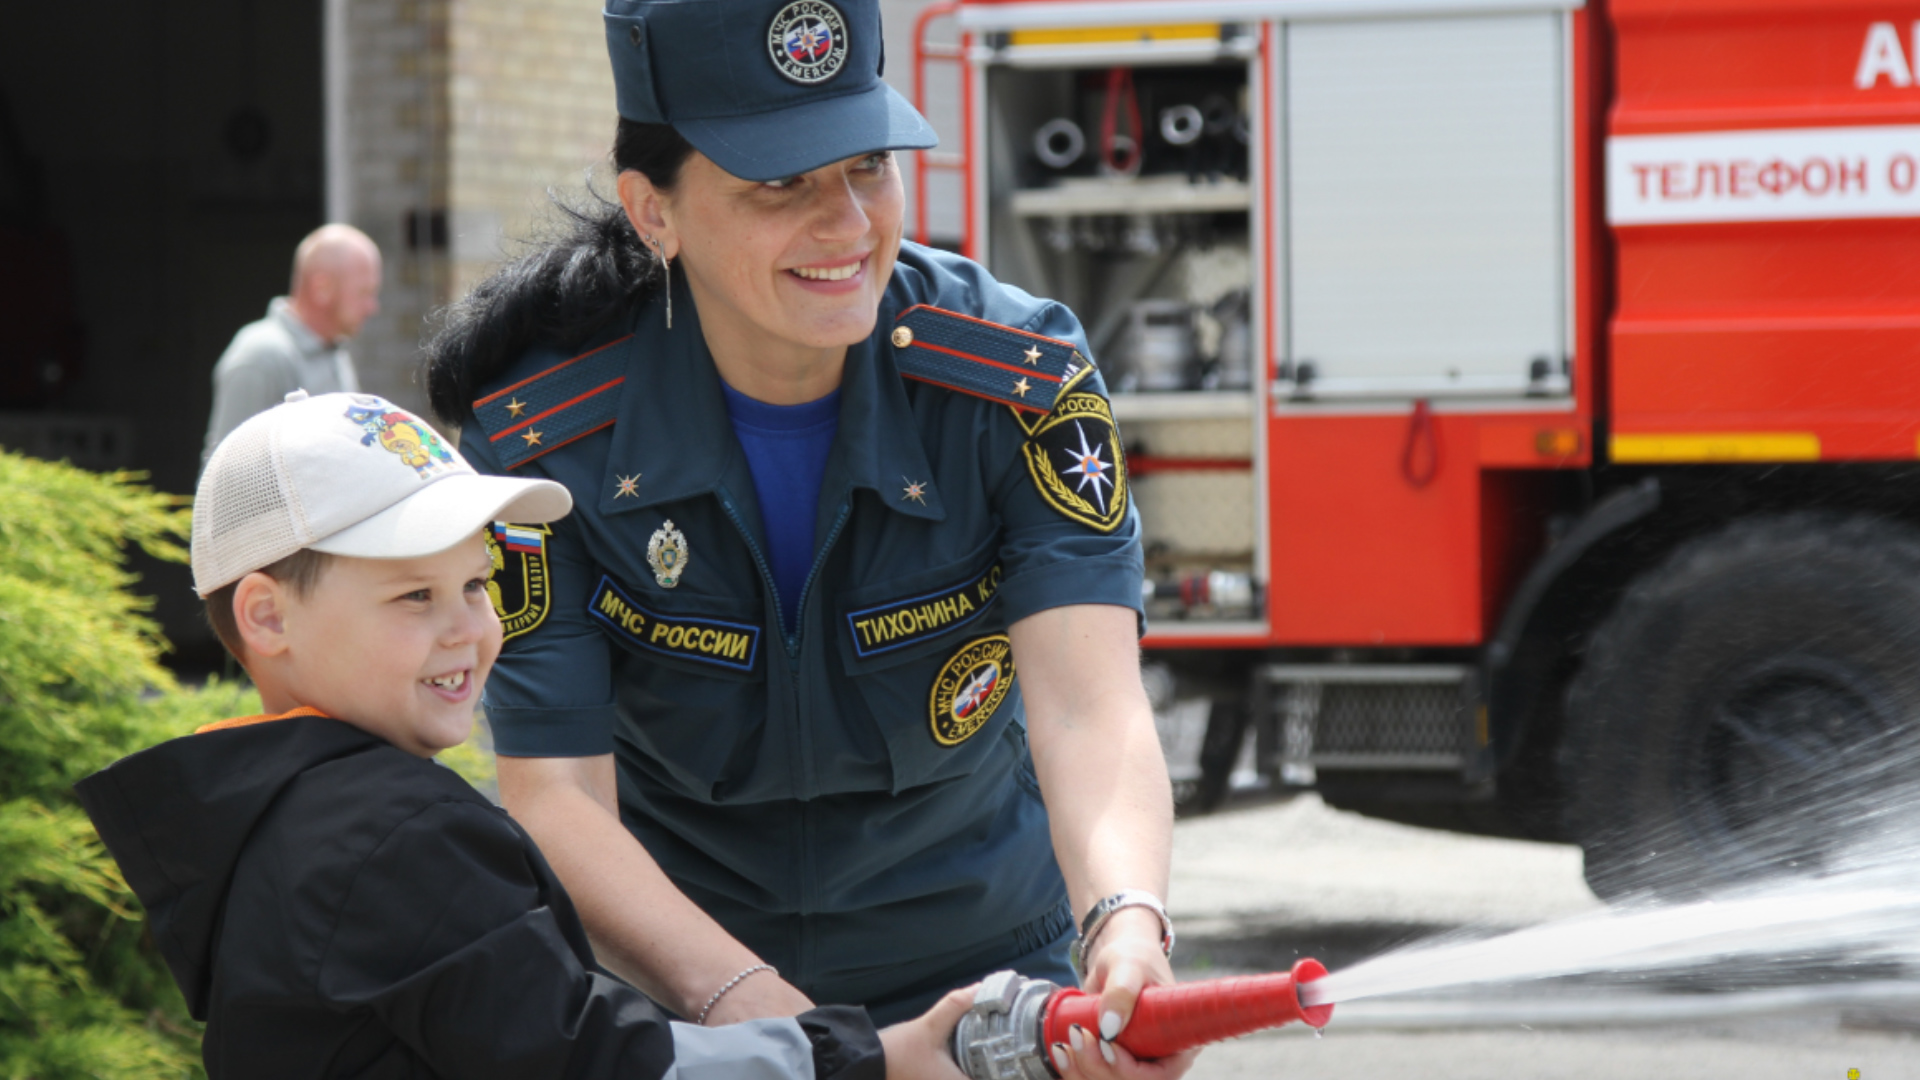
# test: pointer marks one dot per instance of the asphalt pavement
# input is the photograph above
(1265, 882)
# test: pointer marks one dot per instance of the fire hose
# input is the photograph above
(1014, 1020)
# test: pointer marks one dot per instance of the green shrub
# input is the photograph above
(83, 993)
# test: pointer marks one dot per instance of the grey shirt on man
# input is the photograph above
(268, 360)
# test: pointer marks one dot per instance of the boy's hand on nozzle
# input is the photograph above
(922, 1048)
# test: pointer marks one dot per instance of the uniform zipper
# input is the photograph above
(808, 886)
(802, 939)
(806, 587)
(809, 893)
(759, 560)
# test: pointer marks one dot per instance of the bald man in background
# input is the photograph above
(300, 344)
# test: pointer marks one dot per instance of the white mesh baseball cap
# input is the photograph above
(347, 474)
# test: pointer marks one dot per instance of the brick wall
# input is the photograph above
(396, 99)
(531, 105)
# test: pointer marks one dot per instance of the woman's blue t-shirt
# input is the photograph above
(787, 447)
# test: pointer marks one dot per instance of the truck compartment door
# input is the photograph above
(1426, 206)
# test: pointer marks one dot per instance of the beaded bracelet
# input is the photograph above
(722, 992)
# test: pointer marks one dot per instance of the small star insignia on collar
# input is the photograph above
(1033, 355)
(627, 485)
(917, 491)
(515, 407)
(1021, 387)
(532, 437)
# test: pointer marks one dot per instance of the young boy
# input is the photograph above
(331, 901)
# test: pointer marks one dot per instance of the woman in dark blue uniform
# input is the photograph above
(829, 689)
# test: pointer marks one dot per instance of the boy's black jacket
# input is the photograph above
(333, 906)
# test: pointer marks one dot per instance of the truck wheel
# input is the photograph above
(1226, 730)
(1745, 704)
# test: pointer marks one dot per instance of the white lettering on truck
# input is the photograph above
(1791, 174)
(1882, 56)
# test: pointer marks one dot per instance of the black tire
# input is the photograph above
(1226, 730)
(1746, 705)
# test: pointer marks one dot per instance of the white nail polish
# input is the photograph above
(1109, 1024)
(1077, 1038)
(1060, 1058)
(1106, 1051)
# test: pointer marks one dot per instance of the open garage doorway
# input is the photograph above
(158, 163)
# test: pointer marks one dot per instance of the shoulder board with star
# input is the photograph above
(553, 407)
(1016, 368)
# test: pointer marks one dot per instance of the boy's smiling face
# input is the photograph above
(397, 647)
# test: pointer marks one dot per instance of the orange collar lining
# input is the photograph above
(249, 721)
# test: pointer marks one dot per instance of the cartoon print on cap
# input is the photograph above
(401, 434)
(808, 41)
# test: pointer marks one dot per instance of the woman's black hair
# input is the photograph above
(589, 269)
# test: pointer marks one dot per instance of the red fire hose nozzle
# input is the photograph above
(1014, 1020)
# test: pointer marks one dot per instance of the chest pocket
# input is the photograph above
(930, 656)
(691, 680)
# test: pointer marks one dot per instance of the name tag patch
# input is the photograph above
(897, 624)
(724, 644)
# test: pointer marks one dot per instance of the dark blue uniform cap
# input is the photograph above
(765, 88)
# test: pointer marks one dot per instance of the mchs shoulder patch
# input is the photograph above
(519, 587)
(1074, 457)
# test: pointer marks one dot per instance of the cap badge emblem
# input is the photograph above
(667, 554)
(808, 41)
(400, 434)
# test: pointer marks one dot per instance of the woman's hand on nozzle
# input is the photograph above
(1126, 959)
(922, 1048)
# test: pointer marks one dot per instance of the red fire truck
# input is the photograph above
(1522, 397)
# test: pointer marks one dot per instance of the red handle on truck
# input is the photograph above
(1169, 1019)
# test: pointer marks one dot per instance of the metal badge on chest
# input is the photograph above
(667, 555)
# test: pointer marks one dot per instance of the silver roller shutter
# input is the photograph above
(1426, 203)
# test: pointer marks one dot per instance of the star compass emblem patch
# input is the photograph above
(1074, 457)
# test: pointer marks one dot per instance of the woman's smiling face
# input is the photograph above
(791, 266)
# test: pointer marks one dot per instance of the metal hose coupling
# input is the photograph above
(1014, 1019)
(1000, 1037)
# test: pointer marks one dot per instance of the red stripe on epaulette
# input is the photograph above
(545, 450)
(990, 363)
(567, 404)
(543, 374)
(984, 322)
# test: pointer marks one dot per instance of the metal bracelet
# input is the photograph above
(722, 992)
(1096, 921)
